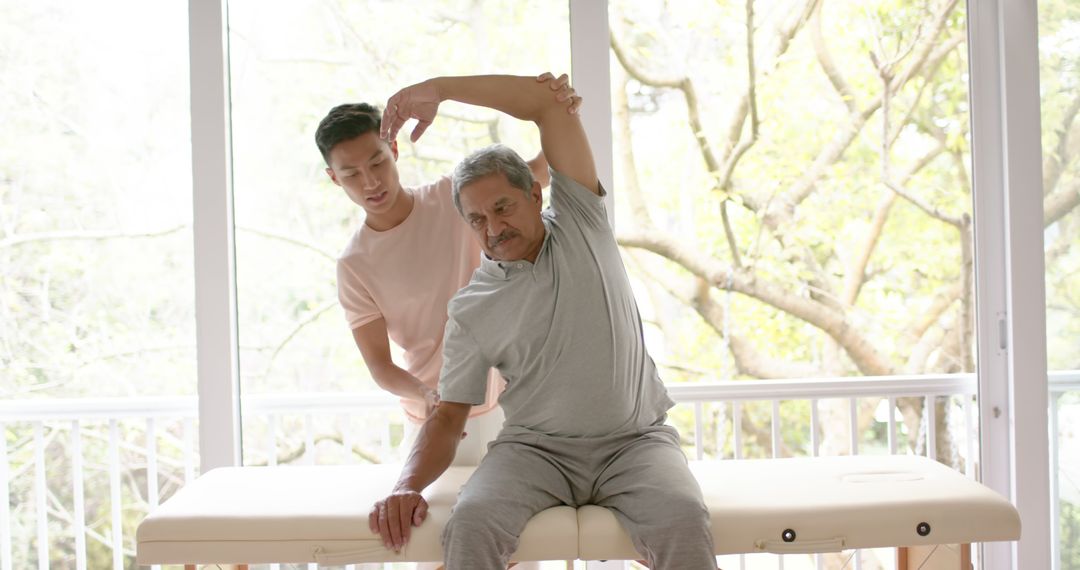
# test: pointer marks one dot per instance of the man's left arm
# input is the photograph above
(562, 136)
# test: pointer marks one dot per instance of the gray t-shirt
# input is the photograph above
(564, 332)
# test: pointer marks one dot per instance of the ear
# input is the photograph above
(536, 192)
(393, 149)
(333, 177)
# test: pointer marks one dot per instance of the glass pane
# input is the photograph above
(1059, 58)
(799, 205)
(96, 290)
(290, 63)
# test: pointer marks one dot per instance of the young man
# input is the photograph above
(403, 265)
(551, 307)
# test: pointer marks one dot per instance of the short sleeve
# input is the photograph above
(360, 309)
(464, 376)
(568, 198)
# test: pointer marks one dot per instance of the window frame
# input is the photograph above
(1010, 272)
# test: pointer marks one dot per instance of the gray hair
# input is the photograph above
(491, 160)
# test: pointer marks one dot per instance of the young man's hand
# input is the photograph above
(431, 400)
(420, 102)
(563, 91)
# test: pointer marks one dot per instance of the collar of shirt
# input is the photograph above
(504, 270)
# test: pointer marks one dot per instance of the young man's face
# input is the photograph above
(503, 218)
(366, 168)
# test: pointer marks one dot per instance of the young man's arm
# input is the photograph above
(374, 344)
(433, 451)
(562, 137)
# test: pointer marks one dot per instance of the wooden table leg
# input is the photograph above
(904, 561)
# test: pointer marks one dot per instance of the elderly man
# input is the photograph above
(552, 309)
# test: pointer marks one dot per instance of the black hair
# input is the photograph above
(346, 122)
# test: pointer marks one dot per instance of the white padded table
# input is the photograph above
(319, 514)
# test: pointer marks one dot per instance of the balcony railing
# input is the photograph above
(131, 453)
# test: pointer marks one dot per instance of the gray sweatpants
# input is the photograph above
(642, 477)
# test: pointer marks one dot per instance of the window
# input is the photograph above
(799, 205)
(1059, 46)
(96, 287)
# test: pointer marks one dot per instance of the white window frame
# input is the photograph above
(215, 257)
(1010, 272)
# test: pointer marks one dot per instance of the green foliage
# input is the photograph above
(1069, 535)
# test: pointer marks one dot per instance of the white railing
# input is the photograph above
(168, 423)
(1060, 384)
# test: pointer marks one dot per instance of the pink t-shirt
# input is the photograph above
(407, 275)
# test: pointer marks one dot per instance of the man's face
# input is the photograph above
(366, 168)
(503, 218)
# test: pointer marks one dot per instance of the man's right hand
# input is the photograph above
(432, 452)
(393, 517)
(563, 91)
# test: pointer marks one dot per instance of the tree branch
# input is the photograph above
(724, 168)
(296, 330)
(748, 360)
(855, 276)
(966, 327)
(941, 302)
(683, 84)
(931, 211)
(1055, 162)
(783, 36)
(830, 321)
(134, 352)
(732, 160)
(12, 241)
(297, 452)
(847, 94)
(925, 57)
(289, 240)
(621, 125)
(729, 235)
(1060, 203)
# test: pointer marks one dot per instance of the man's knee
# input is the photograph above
(470, 512)
(473, 516)
(683, 509)
(478, 529)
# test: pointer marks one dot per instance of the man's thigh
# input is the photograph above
(649, 480)
(514, 481)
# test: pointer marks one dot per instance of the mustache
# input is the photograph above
(505, 235)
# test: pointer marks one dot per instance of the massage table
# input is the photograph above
(247, 515)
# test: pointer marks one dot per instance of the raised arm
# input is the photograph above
(433, 451)
(562, 137)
